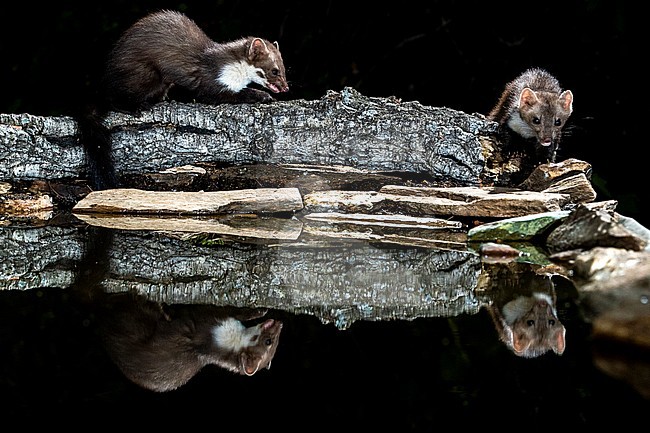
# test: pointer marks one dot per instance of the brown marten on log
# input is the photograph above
(167, 52)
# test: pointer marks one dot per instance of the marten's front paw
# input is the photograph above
(251, 96)
(265, 98)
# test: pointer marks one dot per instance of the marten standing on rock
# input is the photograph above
(535, 108)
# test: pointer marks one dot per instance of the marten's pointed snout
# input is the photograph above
(283, 86)
(278, 87)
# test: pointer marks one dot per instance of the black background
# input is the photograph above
(441, 53)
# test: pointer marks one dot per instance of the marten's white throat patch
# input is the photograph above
(519, 125)
(235, 76)
(232, 335)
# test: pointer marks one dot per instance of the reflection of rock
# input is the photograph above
(614, 286)
(620, 314)
(626, 323)
(622, 343)
(249, 226)
(614, 294)
(627, 364)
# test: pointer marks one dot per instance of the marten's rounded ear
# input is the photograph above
(527, 97)
(257, 48)
(520, 344)
(276, 44)
(566, 99)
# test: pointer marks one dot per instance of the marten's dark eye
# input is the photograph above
(536, 120)
(275, 72)
(268, 341)
(530, 322)
(558, 122)
(551, 322)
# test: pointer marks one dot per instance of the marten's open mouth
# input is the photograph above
(276, 89)
(273, 87)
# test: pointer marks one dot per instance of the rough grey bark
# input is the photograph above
(35, 147)
(342, 128)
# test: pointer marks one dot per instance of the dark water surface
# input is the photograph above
(404, 374)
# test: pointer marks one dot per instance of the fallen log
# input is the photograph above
(342, 128)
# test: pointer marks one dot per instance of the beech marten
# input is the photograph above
(523, 309)
(534, 107)
(162, 347)
(166, 51)
(529, 325)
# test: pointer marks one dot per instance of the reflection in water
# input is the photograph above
(523, 309)
(529, 325)
(161, 347)
(424, 353)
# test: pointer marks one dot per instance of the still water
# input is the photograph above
(373, 336)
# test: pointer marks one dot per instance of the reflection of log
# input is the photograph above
(342, 128)
(340, 283)
(44, 257)
(336, 280)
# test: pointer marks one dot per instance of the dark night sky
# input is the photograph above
(441, 53)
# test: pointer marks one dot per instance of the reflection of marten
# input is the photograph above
(524, 313)
(162, 347)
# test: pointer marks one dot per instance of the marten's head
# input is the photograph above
(265, 57)
(545, 114)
